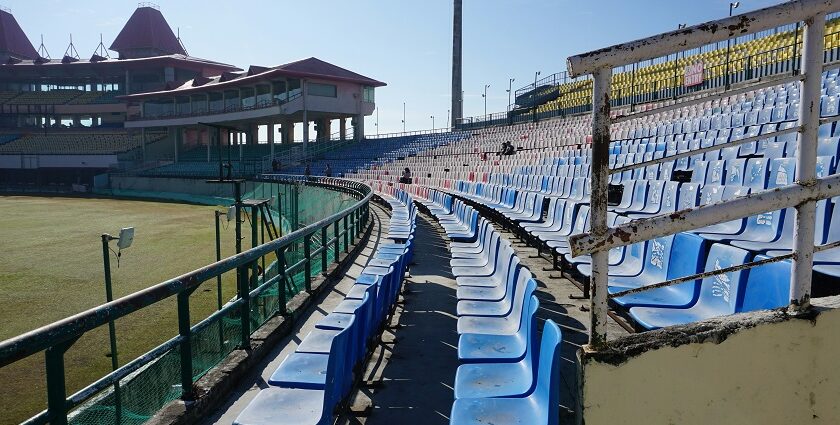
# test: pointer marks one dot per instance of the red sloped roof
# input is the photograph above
(147, 29)
(314, 67)
(12, 38)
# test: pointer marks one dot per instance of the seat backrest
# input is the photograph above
(657, 257)
(339, 372)
(710, 194)
(715, 172)
(782, 172)
(719, 293)
(547, 392)
(767, 287)
(755, 174)
(735, 171)
(687, 197)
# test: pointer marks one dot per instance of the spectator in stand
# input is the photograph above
(275, 165)
(328, 171)
(510, 149)
(503, 149)
(406, 176)
(307, 171)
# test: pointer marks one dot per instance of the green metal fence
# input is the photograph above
(135, 391)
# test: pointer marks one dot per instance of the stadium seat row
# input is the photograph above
(312, 383)
(504, 373)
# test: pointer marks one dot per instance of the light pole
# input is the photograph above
(534, 98)
(123, 241)
(485, 100)
(510, 86)
(403, 117)
(732, 6)
(447, 118)
(679, 57)
(433, 121)
(377, 121)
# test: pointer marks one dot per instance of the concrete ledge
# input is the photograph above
(213, 388)
(767, 367)
(715, 330)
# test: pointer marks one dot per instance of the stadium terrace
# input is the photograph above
(650, 236)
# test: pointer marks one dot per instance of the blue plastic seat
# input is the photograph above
(285, 406)
(497, 307)
(509, 379)
(311, 388)
(490, 288)
(478, 348)
(504, 325)
(666, 258)
(767, 286)
(540, 407)
(719, 294)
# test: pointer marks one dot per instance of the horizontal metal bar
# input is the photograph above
(317, 251)
(697, 35)
(230, 307)
(702, 275)
(699, 151)
(39, 419)
(706, 215)
(108, 380)
(826, 247)
(37, 340)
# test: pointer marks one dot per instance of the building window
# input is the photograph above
(325, 90)
(367, 94)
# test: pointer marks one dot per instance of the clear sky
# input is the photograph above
(405, 43)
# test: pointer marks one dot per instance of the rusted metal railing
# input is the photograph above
(802, 195)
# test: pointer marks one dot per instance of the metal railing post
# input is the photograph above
(806, 158)
(56, 385)
(598, 203)
(346, 233)
(282, 299)
(254, 243)
(326, 248)
(336, 241)
(245, 309)
(307, 254)
(354, 223)
(185, 346)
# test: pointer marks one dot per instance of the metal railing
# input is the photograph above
(802, 195)
(239, 107)
(734, 70)
(56, 338)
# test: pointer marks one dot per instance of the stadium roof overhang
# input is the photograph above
(97, 67)
(306, 68)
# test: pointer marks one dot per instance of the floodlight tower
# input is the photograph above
(457, 92)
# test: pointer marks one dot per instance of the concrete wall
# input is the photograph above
(756, 368)
(171, 185)
(57, 161)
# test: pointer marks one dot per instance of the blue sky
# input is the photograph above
(406, 43)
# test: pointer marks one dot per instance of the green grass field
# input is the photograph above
(51, 268)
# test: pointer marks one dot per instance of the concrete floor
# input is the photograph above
(412, 370)
(410, 375)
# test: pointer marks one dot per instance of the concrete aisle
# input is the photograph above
(328, 299)
(412, 371)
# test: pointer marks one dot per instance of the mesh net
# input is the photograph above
(144, 392)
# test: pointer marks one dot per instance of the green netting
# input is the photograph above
(146, 391)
